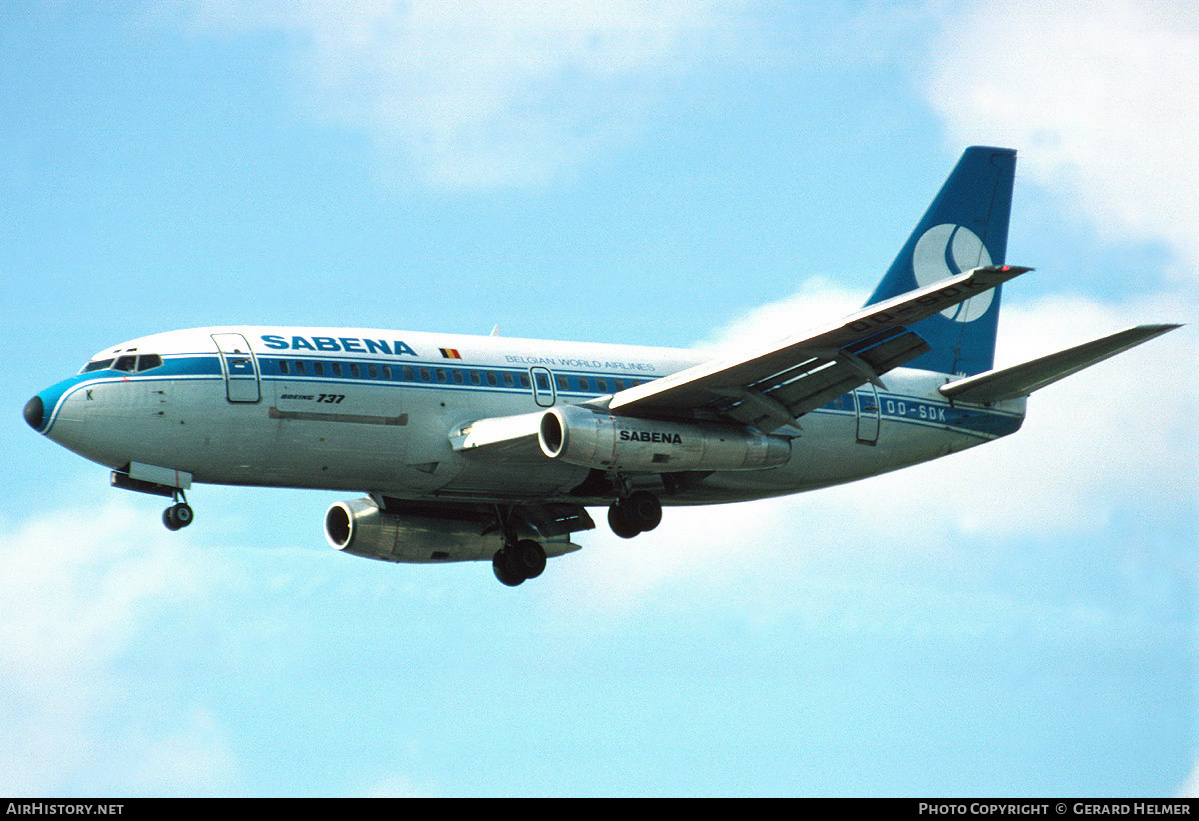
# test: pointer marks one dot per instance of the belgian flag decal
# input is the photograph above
(450, 353)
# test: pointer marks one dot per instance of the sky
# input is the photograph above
(1016, 620)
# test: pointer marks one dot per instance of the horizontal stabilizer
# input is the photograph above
(1021, 380)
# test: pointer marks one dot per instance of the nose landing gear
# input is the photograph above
(178, 515)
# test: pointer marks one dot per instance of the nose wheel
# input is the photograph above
(178, 515)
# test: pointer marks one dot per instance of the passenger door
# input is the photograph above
(241, 368)
(868, 414)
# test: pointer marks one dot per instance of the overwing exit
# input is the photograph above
(492, 449)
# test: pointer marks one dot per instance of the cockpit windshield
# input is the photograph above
(129, 362)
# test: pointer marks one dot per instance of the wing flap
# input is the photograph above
(771, 387)
(1021, 380)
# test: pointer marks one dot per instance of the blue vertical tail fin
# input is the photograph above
(965, 227)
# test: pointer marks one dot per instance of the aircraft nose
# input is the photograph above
(35, 412)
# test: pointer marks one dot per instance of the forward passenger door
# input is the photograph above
(242, 382)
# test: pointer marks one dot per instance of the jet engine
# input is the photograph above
(361, 528)
(602, 440)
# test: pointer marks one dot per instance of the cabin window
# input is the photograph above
(373, 370)
(491, 379)
(619, 383)
(300, 370)
(601, 384)
(543, 381)
(441, 375)
(457, 374)
(318, 369)
(355, 371)
(408, 374)
(524, 380)
(584, 385)
(387, 372)
(284, 368)
(563, 383)
(508, 382)
(336, 368)
(425, 376)
(474, 378)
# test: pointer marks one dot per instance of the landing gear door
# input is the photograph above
(240, 366)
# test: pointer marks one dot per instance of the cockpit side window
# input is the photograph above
(147, 361)
(127, 362)
(97, 365)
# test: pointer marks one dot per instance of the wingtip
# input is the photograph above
(1002, 273)
(1157, 329)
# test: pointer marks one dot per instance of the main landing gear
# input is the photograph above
(520, 559)
(178, 515)
(636, 513)
(517, 561)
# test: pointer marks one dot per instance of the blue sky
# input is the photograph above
(1016, 620)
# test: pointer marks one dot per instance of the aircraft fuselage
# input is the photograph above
(353, 409)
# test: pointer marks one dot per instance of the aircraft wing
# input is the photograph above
(773, 386)
(1021, 380)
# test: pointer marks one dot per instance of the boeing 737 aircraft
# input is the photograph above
(488, 448)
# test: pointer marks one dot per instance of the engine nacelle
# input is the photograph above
(602, 440)
(361, 528)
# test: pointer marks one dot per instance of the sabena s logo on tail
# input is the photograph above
(965, 227)
(946, 250)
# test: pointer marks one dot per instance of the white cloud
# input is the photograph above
(1101, 99)
(1190, 787)
(1112, 439)
(478, 94)
(78, 587)
(817, 302)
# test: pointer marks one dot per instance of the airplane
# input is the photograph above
(486, 448)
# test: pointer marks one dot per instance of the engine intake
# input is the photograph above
(602, 440)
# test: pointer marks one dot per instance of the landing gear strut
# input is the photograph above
(636, 513)
(179, 514)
